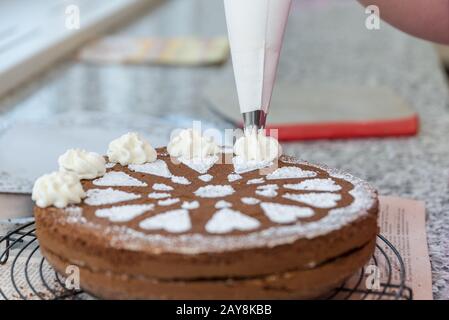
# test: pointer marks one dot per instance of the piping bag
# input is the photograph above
(256, 30)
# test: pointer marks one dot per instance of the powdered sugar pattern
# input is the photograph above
(223, 204)
(255, 181)
(158, 195)
(242, 166)
(118, 179)
(268, 190)
(110, 165)
(234, 177)
(157, 168)
(227, 220)
(162, 187)
(314, 184)
(290, 173)
(318, 200)
(168, 202)
(190, 205)
(206, 177)
(250, 200)
(201, 165)
(98, 197)
(123, 213)
(180, 180)
(174, 221)
(282, 213)
(214, 191)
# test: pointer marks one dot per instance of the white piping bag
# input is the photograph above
(256, 30)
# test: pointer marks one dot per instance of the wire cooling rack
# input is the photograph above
(25, 274)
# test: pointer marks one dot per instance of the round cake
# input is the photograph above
(185, 230)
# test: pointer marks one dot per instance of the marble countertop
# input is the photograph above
(326, 43)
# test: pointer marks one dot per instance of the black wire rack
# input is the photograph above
(28, 276)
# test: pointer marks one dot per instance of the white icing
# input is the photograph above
(256, 146)
(227, 220)
(206, 177)
(99, 197)
(190, 205)
(118, 178)
(168, 202)
(256, 181)
(180, 180)
(290, 173)
(158, 195)
(162, 187)
(241, 165)
(223, 204)
(57, 189)
(174, 221)
(131, 148)
(214, 191)
(123, 213)
(282, 213)
(201, 165)
(234, 177)
(157, 168)
(189, 143)
(314, 184)
(87, 165)
(250, 200)
(318, 200)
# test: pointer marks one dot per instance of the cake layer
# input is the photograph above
(295, 284)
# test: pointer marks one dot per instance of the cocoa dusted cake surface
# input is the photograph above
(193, 231)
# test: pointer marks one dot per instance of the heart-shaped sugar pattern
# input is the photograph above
(290, 173)
(168, 202)
(206, 177)
(174, 221)
(315, 185)
(201, 165)
(190, 205)
(214, 191)
(282, 213)
(118, 179)
(99, 197)
(157, 168)
(223, 204)
(180, 180)
(123, 213)
(162, 187)
(158, 195)
(227, 220)
(318, 200)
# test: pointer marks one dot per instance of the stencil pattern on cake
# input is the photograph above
(206, 177)
(168, 202)
(227, 220)
(118, 179)
(158, 195)
(318, 200)
(174, 221)
(123, 213)
(214, 191)
(162, 187)
(99, 197)
(282, 213)
(315, 185)
(201, 165)
(290, 173)
(157, 168)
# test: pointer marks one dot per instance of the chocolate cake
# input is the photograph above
(165, 230)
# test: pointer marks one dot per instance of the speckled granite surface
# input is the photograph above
(326, 42)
